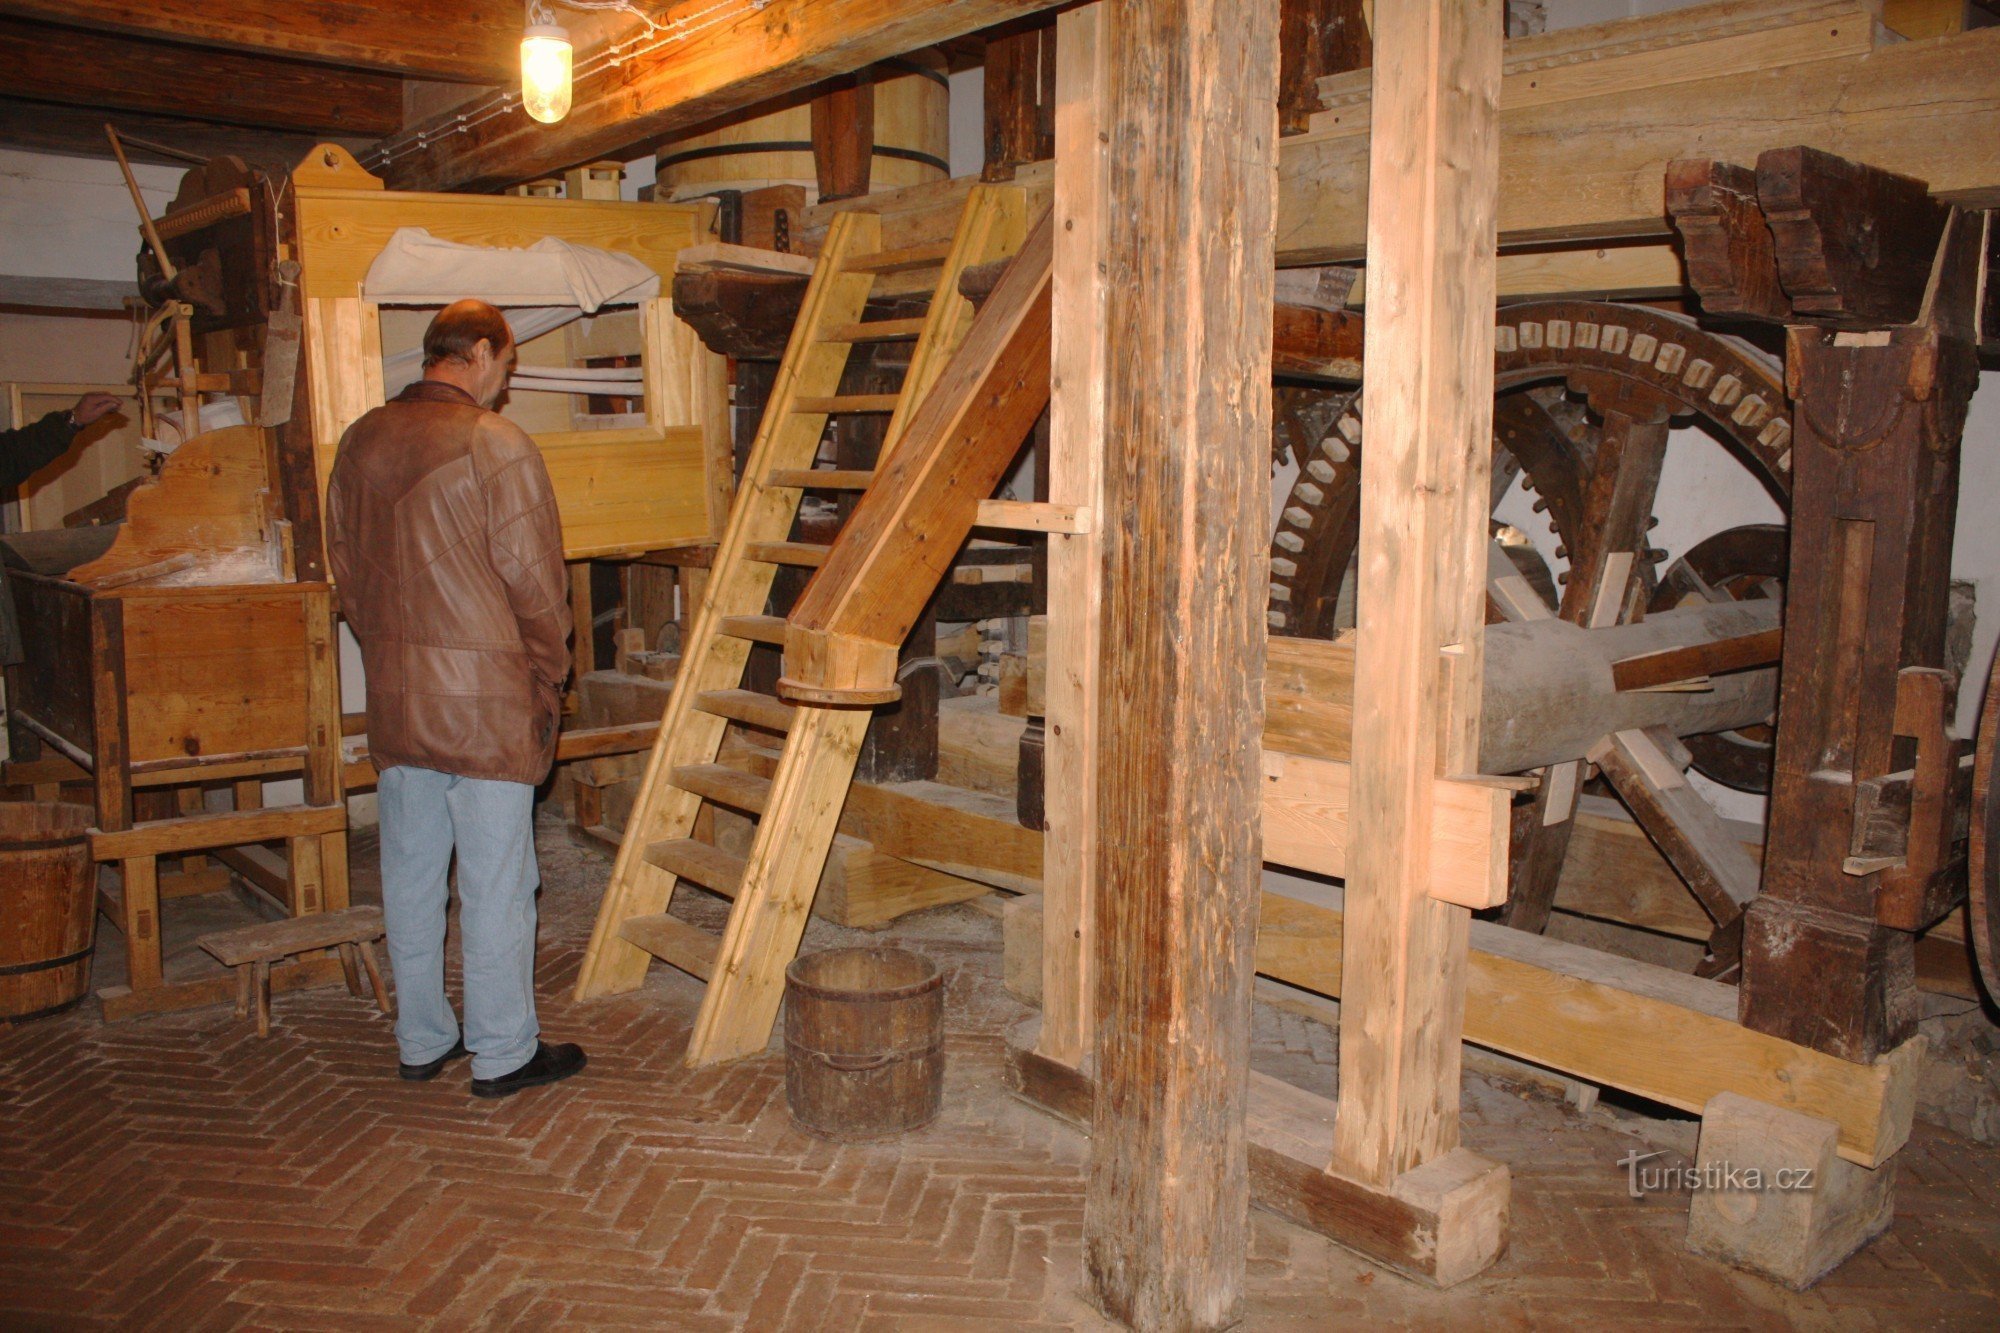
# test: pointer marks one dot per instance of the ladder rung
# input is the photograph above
(710, 867)
(672, 940)
(848, 402)
(806, 555)
(748, 707)
(757, 629)
(895, 261)
(879, 331)
(725, 786)
(822, 478)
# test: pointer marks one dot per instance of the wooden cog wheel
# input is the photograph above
(1584, 394)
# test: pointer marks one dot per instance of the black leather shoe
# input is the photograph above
(549, 1064)
(424, 1073)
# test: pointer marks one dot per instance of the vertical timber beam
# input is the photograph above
(1828, 948)
(1433, 173)
(1190, 128)
(1076, 561)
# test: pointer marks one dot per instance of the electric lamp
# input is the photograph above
(545, 71)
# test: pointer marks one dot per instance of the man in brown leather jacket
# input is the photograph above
(448, 555)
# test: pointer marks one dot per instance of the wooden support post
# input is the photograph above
(1020, 81)
(1076, 562)
(322, 767)
(843, 136)
(1189, 122)
(110, 750)
(1418, 663)
(1828, 955)
(1317, 38)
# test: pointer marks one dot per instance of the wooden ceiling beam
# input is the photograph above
(433, 39)
(79, 132)
(114, 73)
(743, 59)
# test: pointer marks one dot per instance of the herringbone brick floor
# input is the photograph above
(182, 1174)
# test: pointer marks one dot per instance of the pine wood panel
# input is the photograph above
(1422, 573)
(1595, 167)
(1075, 563)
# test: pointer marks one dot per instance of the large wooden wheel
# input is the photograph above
(1586, 392)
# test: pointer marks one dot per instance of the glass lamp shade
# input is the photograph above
(545, 72)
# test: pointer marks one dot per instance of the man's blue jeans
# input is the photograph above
(423, 815)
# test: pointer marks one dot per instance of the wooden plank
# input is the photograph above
(1078, 359)
(843, 136)
(117, 73)
(672, 940)
(1029, 516)
(1188, 114)
(272, 940)
(755, 55)
(722, 257)
(1424, 497)
(221, 828)
(436, 39)
(620, 492)
(1576, 1010)
(688, 385)
(1595, 167)
(1307, 813)
(1656, 50)
(779, 878)
(1675, 665)
(343, 361)
(341, 231)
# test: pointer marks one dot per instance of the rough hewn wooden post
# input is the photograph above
(1190, 113)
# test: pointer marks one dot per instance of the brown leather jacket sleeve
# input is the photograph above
(339, 545)
(524, 536)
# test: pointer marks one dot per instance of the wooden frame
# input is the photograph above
(620, 492)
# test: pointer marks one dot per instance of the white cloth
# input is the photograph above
(416, 268)
(540, 289)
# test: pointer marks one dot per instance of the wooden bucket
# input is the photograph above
(48, 907)
(912, 144)
(864, 1042)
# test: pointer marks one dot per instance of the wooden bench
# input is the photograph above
(252, 949)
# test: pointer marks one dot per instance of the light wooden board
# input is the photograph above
(1422, 573)
(1307, 827)
(1661, 1034)
(1689, 45)
(1595, 167)
(1078, 357)
(621, 492)
(207, 503)
(342, 231)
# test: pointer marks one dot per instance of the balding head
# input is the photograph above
(470, 345)
(460, 327)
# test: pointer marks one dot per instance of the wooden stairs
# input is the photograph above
(973, 389)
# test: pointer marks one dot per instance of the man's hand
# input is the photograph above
(92, 406)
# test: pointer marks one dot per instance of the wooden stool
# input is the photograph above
(252, 949)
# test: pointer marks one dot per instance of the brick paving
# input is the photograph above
(182, 1174)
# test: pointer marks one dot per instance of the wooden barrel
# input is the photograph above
(48, 907)
(912, 146)
(864, 1042)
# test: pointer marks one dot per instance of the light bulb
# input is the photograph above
(545, 72)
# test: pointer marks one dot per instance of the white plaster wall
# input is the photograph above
(71, 217)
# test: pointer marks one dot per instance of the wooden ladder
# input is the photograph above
(798, 808)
